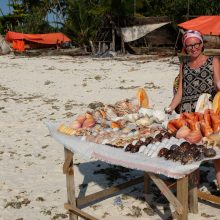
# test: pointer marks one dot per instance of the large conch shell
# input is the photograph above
(110, 112)
(123, 107)
(195, 136)
(142, 98)
(183, 132)
(203, 103)
(216, 103)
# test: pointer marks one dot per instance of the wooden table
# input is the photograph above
(186, 198)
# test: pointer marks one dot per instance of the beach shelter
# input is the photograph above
(18, 40)
(207, 25)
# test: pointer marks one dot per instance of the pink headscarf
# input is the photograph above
(191, 33)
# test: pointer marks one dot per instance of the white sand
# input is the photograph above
(36, 90)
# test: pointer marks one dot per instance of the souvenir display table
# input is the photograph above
(186, 197)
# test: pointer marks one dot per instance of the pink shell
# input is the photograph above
(75, 125)
(88, 123)
(81, 119)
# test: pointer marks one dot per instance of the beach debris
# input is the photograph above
(117, 201)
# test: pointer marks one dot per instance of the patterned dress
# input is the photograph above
(195, 82)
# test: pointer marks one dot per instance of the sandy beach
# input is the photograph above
(35, 90)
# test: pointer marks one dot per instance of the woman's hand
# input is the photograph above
(168, 110)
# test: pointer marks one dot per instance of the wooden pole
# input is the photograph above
(146, 183)
(69, 171)
(92, 47)
(99, 50)
(122, 44)
(113, 39)
(182, 196)
(79, 212)
(168, 194)
(193, 192)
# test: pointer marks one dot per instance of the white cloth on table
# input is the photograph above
(118, 156)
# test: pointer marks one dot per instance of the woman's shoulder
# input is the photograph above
(216, 59)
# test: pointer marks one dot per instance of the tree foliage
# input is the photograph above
(80, 19)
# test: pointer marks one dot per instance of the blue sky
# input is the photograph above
(3, 6)
(5, 9)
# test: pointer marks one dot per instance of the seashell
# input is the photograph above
(61, 128)
(159, 116)
(81, 118)
(209, 152)
(66, 130)
(131, 117)
(123, 107)
(203, 103)
(98, 116)
(126, 130)
(194, 137)
(88, 123)
(88, 115)
(143, 98)
(175, 124)
(216, 103)
(115, 125)
(146, 112)
(206, 129)
(75, 125)
(146, 121)
(183, 132)
(110, 112)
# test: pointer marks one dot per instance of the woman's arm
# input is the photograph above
(216, 69)
(178, 96)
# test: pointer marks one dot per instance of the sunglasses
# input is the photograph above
(191, 46)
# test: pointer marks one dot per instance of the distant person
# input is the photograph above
(201, 74)
(58, 46)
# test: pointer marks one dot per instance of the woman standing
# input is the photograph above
(201, 74)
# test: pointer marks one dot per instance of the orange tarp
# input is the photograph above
(18, 45)
(50, 38)
(207, 25)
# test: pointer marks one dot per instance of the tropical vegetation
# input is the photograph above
(80, 19)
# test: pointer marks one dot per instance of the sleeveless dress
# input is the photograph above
(195, 82)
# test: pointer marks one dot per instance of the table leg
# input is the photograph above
(146, 183)
(69, 171)
(193, 192)
(182, 196)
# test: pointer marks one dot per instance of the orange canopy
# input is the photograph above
(50, 38)
(207, 25)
